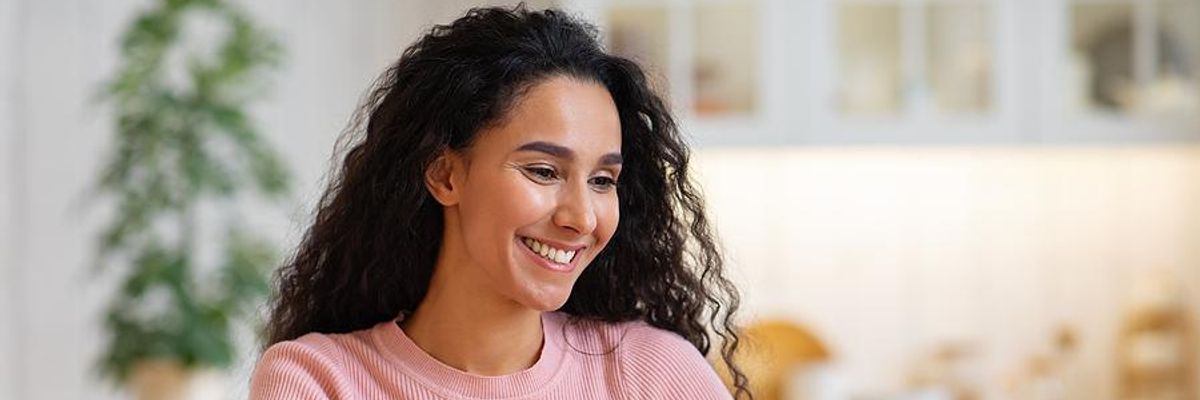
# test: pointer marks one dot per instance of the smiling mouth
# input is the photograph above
(549, 253)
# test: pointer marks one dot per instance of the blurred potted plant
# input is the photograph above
(185, 147)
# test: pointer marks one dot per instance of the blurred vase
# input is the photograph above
(168, 380)
(771, 351)
(822, 380)
(1157, 356)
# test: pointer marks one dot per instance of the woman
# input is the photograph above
(517, 222)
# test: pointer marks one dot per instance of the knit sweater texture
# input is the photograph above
(578, 360)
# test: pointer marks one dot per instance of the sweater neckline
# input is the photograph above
(439, 376)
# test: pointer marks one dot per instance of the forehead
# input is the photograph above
(569, 112)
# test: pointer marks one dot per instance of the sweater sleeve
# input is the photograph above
(659, 364)
(294, 370)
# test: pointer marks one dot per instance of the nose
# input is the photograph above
(575, 210)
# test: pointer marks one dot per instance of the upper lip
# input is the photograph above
(559, 245)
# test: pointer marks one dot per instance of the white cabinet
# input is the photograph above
(1121, 71)
(768, 72)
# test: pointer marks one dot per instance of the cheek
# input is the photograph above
(505, 206)
(523, 202)
(608, 215)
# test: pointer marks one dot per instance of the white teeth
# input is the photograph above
(557, 255)
(564, 257)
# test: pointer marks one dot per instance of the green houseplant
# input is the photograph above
(185, 155)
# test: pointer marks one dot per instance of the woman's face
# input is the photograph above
(538, 200)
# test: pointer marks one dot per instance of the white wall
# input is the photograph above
(62, 58)
(10, 161)
(886, 252)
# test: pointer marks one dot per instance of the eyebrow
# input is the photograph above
(563, 152)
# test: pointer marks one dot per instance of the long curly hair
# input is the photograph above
(370, 253)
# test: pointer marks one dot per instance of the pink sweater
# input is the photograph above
(587, 360)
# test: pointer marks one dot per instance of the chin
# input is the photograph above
(546, 302)
(539, 289)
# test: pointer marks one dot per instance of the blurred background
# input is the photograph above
(921, 199)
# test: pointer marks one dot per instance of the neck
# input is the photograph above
(467, 326)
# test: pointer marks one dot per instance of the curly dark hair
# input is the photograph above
(370, 253)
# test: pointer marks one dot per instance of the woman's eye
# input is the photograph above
(542, 173)
(604, 182)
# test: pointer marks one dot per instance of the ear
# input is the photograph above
(441, 178)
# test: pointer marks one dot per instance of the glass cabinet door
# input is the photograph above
(1125, 71)
(910, 71)
(958, 61)
(705, 52)
(870, 71)
(771, 72)
(1134, 57)
(905, 57)
(725, 58)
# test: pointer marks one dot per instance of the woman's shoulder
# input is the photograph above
(332, 347)
(316, 363)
